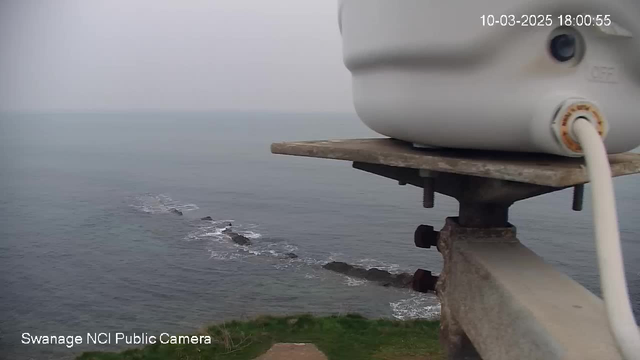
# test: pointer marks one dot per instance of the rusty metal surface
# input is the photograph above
(425, 237)
(464, 188)
(539, 169)
(483, 215)
(503, 301)
(484, 202)
(424, 281)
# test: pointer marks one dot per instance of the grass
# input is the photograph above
(349, 337)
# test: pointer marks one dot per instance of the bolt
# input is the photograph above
(425, 237)
(428, 195)
(423, 281)
(429, 187)
(578, 197)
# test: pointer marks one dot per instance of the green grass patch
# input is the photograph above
(350, 337)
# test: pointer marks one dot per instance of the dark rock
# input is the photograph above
(378, 275)
(175, 211)
(208, 218)
(291, 255)
(338, 266)
(239, 239)
(403, 280)
(357, 272)
(382, 277)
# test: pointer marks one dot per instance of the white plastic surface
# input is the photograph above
(428, 72)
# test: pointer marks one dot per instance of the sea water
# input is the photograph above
(89, 244)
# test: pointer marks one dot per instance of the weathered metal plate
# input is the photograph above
(539, 169)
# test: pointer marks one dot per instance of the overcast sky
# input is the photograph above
(94, 55)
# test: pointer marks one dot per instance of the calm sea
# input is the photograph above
(87, 242)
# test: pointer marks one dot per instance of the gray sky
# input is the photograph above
(78, 55)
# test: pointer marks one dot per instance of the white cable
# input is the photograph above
(612, 278)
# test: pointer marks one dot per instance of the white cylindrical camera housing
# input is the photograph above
(437, 74)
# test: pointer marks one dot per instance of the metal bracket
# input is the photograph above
(500, 301)
(484, 202)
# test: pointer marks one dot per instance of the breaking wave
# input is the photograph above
(419, 306)
(158, 204)
(285, 255)
(374, 263)
(221, 247)
(354, 282)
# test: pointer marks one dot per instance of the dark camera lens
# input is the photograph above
(563, 47)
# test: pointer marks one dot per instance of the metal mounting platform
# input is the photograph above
(500, 301)
(539, 169)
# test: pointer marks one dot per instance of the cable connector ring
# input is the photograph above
(569, 111)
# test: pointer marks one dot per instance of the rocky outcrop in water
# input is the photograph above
(207, 218)
(237, 238)
(291, 255)
(175, 211)
(382, 277)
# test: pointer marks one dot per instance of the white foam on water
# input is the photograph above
(210, 230)
(289, 247)
(250, 234)
(374, 263)
(221, 247)
(210, 233)
(159, 204)
(283, 265)
(258, 252)
(215, 233)
(312, 261)
(421, 306)
(354, 282)
(218, 255)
